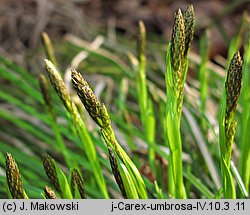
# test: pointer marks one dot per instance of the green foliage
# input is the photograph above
(176, 70)
(203, 76)
(100, 115)
(145, 103)
(155, 139)
(244, 161)
(78, 123)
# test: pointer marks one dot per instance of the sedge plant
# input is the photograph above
(79, 124)
(131, 177)
(227, 122)
(176, 70)
(49, 128)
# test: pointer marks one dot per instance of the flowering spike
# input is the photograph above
(189, 27)
(97, 111)
(233, 84)
(177, 41)
(50, 169)
(78, 181)
(14, 178)
(116, 172)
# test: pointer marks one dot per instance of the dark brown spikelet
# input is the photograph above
(177, 41)
(116, 173)
(78, 181)
(49, 193)
(50, 169)
(96, 110)
(14, 178)
(189, 27)
(233, 84)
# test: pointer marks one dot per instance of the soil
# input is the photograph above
(22, 21)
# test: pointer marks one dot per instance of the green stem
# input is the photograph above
(146, 106)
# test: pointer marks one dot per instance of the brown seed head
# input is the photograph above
(14, 178)
(189, 27)
(58, 84)
(50, 169)
(116, 173)
(78, 181)
(177, 41)
(96, 110)
(233, 84)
